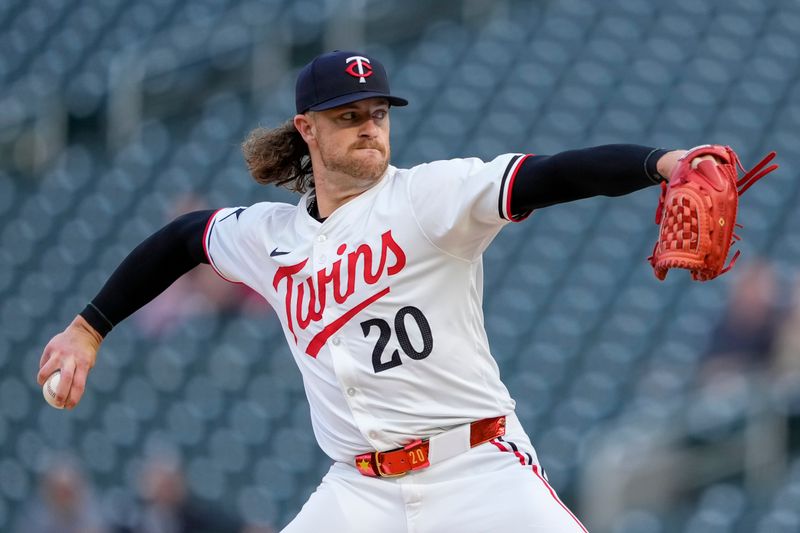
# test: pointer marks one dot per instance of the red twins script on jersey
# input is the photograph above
(343, 287)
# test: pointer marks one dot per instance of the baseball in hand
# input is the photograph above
(50, 387)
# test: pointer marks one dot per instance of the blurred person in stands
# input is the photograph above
(741, 344)
(65, 503)
(169, 508)
(199, 292)
(786, 348)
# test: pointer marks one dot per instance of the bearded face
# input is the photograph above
(363, 160)
(353, 141)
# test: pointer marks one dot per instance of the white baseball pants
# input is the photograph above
(496, 486)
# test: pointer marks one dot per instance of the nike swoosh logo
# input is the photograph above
(275, 252)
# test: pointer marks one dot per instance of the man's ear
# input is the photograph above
(303, 124)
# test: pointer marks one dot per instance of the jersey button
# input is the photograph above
(351, 391)
(321, 238)
(336, 341)
(373, 434)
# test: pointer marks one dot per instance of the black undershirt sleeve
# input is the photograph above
(148, 270)
(609, 170)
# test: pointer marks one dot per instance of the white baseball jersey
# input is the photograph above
(381, 303)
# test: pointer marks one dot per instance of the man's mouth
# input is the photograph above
(369, 147)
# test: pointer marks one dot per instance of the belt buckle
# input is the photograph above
(378, 467)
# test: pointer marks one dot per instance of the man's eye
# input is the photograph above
(380, 114)
(348, 116)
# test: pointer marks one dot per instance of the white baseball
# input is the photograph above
(50, 387)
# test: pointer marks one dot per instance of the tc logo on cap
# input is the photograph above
(325, 82)
(359, 67)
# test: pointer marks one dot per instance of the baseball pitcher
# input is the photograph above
(376, 277)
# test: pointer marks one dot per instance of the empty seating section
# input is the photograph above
(575, 318)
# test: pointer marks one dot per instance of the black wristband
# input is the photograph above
(97, 319)
(651, 165)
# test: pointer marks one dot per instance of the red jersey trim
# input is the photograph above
(508, 187)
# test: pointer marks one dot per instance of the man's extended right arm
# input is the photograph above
(144, 274)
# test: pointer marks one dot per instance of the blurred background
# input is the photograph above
(655, 407)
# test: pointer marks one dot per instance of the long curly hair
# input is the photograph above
(279, 156)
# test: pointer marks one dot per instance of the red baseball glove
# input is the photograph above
(697, 212)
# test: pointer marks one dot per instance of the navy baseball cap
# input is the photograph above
(341, 77)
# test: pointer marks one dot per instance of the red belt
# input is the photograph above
(414, 456)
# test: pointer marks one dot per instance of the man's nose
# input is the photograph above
(369, 128)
